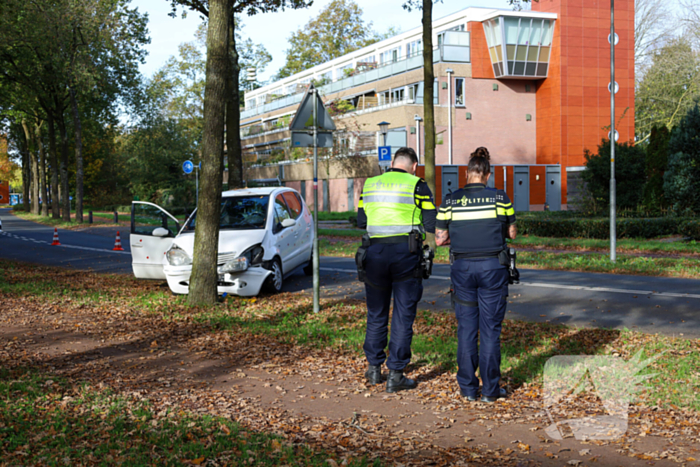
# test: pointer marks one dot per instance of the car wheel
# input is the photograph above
(276, 280)
(309, 268)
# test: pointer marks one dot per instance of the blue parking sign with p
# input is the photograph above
(385, 153)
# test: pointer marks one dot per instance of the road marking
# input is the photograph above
(565, 287)
(75, 247)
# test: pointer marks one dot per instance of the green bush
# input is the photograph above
(629, 174)
(656, 163)
(682, 176)
(18, 207)
(691, 228)
(599, 227)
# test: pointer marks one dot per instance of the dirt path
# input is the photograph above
(307, 395)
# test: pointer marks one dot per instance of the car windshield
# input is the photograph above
(240, 213)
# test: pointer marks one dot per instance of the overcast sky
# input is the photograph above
(273, 29)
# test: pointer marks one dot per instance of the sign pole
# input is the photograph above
(316, 262)
(613, 188)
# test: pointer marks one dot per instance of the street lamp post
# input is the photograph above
(449, 72)
(613, 139)
(384, 129)
(418, 119)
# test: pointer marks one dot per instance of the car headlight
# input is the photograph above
(176, 256)
(235, 265)
(254, 255)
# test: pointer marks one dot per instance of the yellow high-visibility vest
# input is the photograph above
(390, 204)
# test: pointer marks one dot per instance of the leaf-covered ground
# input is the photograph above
(109, 370)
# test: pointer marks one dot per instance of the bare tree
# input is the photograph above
(654, 25)
(690, 19)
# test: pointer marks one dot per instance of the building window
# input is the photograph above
(390, 56)
(383, 98)
(414, 48)
(397, 95)
(343, 72)
(459, 92)
(413, 91)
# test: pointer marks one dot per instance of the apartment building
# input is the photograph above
(532, 86)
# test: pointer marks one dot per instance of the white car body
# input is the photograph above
(286, 243)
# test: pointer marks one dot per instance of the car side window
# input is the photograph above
(293, 203)
(281, 212)
(146, 218)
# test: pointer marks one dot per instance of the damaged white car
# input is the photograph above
(265, 235)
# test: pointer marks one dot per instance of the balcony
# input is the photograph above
(454, 49)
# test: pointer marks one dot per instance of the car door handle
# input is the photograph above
(136, 245)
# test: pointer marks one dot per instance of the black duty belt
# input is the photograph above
(487, 255)
(393, 239)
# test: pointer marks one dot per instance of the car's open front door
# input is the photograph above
(152, 233)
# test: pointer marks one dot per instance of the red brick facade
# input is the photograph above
(573, 103)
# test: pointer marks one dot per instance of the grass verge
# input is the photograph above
(61, 224)
(46, 420)
(685, 267)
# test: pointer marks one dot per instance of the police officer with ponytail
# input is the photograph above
(475, 222)
(397, 208)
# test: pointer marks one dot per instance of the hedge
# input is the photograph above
(691, 228)
(600, 227)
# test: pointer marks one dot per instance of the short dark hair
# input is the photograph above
(408, 154)
(479, 162)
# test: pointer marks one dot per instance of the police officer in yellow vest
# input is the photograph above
(394, 207)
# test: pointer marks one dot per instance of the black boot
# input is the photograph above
(373, 374)
(398, 382)
(489, 399)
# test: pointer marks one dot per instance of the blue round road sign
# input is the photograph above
(187, 167)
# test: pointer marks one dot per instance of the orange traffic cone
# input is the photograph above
(118, 243)
(55, 237)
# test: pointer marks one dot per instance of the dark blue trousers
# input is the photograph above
(482, 284)
(385, 264)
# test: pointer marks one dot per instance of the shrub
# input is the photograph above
(629, 174)
(682, 177)
(656, 163)
(18, 207)
(599, 228)
(691, 228)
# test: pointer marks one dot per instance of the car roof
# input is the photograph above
(252, 191)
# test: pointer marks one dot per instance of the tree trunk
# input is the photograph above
(55, 206)
(233, 114)
(428, 106)
(206, 235)
(26, 172)
(34, 168)
(42, 168)
(65, 194)
(78, 158)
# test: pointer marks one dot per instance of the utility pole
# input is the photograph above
(316, 263)
(613, 137)
(449, 72)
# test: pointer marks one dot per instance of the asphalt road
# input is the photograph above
(651, 304)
